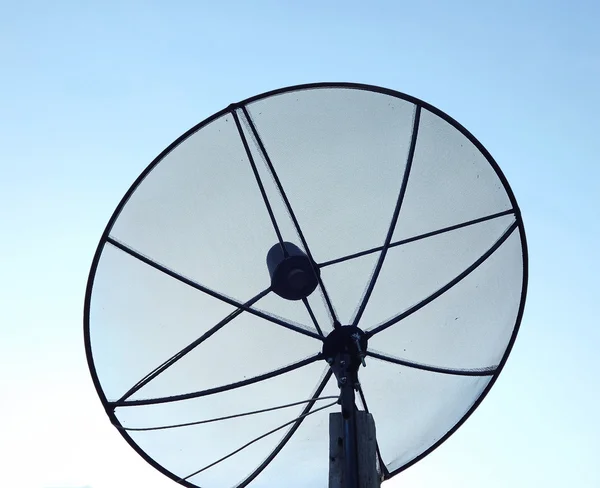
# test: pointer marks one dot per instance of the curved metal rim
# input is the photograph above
(268, 94)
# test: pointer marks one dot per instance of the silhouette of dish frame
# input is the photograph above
(301, 275)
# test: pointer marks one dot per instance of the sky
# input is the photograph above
(90, 93)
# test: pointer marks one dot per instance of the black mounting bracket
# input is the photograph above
(344, 350)
(348, 341)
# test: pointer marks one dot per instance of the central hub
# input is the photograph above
(347, 341)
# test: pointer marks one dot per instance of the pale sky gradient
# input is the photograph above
(90, 95)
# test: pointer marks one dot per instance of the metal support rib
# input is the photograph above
(208, 291)
(190, 347)
(447, 286)
(388, 238)
(289, 433)
(258, 180)
(417, 237)
(218, 389)
(312, 316)
(288, 207)
(434, 369)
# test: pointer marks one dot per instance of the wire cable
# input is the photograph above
(257, 439)
(244, 414)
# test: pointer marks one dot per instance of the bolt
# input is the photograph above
(343, 380)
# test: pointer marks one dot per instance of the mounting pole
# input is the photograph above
(347, 379)
(366, 446)
(353, 447)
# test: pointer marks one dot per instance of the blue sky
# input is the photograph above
(89, 95)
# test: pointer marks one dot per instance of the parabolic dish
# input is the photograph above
(417, 238)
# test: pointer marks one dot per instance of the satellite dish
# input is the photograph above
(275, 249)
